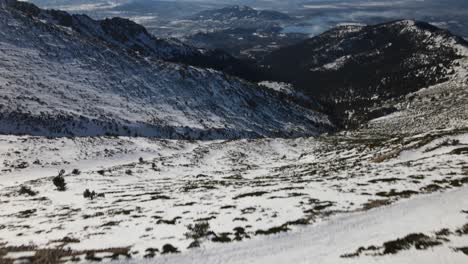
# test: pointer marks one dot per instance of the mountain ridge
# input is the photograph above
(134, 38)
(56, 82)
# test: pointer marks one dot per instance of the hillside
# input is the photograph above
(355, 68)
(134, 38)
(73, 79)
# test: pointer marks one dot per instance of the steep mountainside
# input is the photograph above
(126, 34)
(57, 80)
(354, 69)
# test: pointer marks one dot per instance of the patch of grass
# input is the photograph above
(443, 232)
(273, 230)
(205, 219)
(221, 238)
(194, 244)
(322, 206)
(445, 143)
(25, 190)
(198, 230)
(431, 188)
(150, 252)
(168, 222)
(359, 251)
(169, 249)
(301, 221)
(56, 255)
(419, 241)
(463, 250)
(459, 182)
(228, 207)
(160, 197)
(92, 257)
(66, 240)
(239, 233)
(87, 194)
(462, 231)
(111, 223)
(387, 180)
(375, 204)
(184, 204)
(26, 213)
(248, 210)
(387, 156)
(394, 193)
(97, 214)
(459, 151)
(417, 177)
(252, 194)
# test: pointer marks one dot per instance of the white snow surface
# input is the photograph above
(325, 242)
(258, 185)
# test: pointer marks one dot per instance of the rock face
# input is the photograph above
(353, 69)
(65, 75)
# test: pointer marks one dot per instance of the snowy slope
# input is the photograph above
(56, 81)
(326, 242)
(244, 190)
(116, 31)
(135, 39)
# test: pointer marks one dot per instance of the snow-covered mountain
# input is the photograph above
(132, 37)
(354, 69)
(70, 75)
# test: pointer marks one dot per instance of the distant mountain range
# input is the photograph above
(239, 13)
(244, 32)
